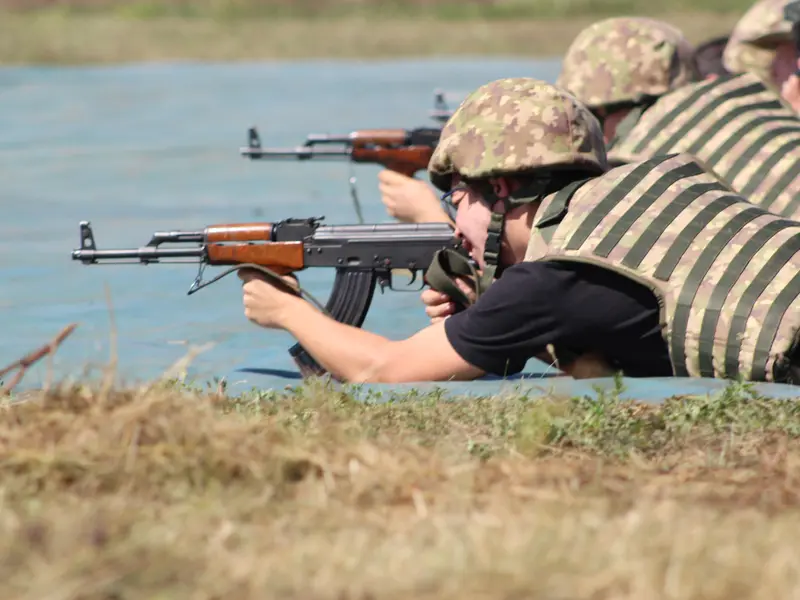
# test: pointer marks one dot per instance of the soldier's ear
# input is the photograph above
(501, 187)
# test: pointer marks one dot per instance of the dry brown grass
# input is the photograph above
(173, 493)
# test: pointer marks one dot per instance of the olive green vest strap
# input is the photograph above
(626, 125)
(762, 279)
(556, 209)
(702, 115)
(445, 266)
(735, 137)
(681, 108)
(767, 166)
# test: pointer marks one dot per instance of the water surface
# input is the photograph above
(137, 149)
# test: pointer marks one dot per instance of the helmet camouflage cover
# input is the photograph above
(517, 125)
(620, 59)
(751, 47)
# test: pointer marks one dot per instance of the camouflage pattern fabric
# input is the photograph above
(515, 125)
(624, 59)
(737, 127)
(752, 43)
(727, 273)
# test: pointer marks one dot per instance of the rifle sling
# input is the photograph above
(445, 266)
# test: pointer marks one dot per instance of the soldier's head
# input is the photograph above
(761, 43)
(619, 64)
(510, 143)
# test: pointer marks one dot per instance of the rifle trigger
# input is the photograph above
(414, 275)
(384, 281)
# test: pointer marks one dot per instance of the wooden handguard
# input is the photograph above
(281, 257)
(378, 137)
(240, 232)
(407, 160)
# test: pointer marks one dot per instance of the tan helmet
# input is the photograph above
(753, 41)
(625, 59)
(517, 125)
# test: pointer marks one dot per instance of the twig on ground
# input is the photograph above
(110, 371)
(179, 369)
(31, 358)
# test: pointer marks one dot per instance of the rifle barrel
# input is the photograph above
(324, 138)
(144, 254)
(300, 153)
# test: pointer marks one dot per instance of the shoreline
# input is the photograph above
(50, 38)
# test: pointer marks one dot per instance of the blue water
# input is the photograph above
(142, 148)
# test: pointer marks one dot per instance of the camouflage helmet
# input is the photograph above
(513, 126)
(625, 58)
(752, 44)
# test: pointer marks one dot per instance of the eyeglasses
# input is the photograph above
(447, 202)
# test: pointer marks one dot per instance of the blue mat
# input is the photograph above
(653, 390)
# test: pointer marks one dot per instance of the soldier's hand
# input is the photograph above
(439, 306)
(265, 302)
(409, 200)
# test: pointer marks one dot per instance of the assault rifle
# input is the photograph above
(364, 257)
(401, 150)
(791, 12)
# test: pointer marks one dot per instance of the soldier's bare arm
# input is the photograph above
(350, 353)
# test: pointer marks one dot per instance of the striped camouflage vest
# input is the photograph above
(736, 126)
(726, 273)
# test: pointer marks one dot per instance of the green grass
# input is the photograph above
(77, 32)
(181, 491)
(444, 10)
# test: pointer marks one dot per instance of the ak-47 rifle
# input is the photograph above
(791, 12)
(364, 257)
(402, 150)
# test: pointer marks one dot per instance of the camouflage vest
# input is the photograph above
(726, 273)
(737, 127)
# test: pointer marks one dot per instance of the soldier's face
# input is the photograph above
(472, 220)
(784, 64)
(610, 121)
(473, 217)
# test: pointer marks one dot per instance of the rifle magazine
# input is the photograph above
(349, 303)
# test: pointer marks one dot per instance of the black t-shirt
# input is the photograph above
(573, 306)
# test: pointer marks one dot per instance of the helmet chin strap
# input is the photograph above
(447, 264)
(530, 193)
